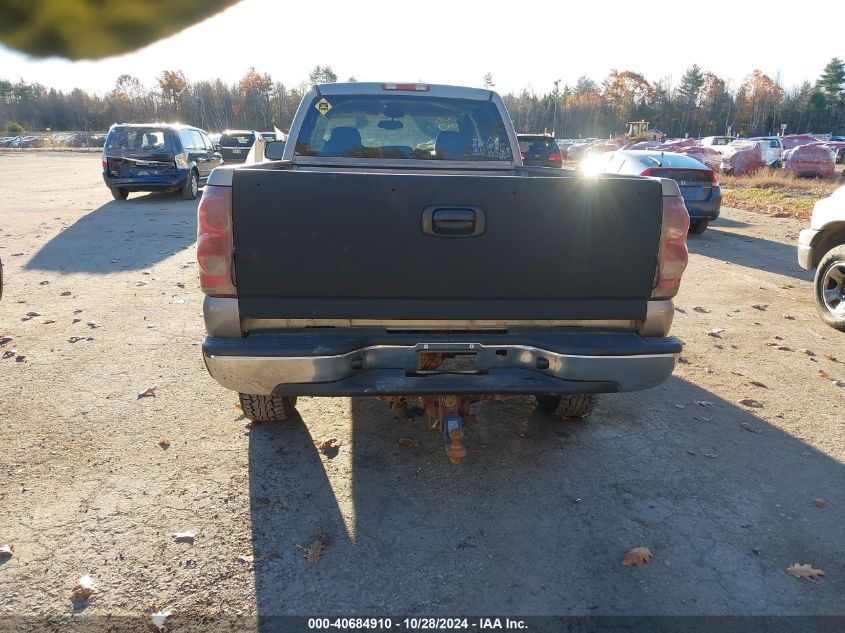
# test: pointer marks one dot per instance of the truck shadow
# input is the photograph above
(753, 252)
(539, 515)
(128, 234)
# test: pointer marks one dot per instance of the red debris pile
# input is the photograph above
(740, 159)
(810, 160)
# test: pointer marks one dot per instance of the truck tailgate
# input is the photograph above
(335, 244)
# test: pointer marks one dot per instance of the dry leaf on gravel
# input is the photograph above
(5, 339)
(784, 348)
(150, 392)
(805, 571)
(324, 444)
(66, 293)
(760, 306)
(9, 353)
(681, 310)
(716, 333)
(407, 442)
(637, 557)
(49, 321)
(20, 358)
(83, 589)
(92, 324)
(752, 403)
(757, 383)
(183, 537)
(701, 310)
(751, 429)
(819, 503)
(808, 352)
(6, 551)
(832, 359)
(165, 443)
(239, 408)
(244, 558)
(180, 284)
(76, 339)
(789, 317)
(704, 403)
(823, 374)
(315, 551)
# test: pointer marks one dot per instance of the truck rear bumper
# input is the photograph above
(305, 363)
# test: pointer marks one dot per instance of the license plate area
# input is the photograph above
(447, 363)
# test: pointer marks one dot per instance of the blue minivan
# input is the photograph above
(158, 157)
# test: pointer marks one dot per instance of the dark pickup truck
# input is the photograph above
(400, 249)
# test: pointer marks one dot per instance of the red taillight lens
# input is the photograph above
(555, 157)
(214, 241)
(673, 256)
(105, 161)
(406, 87)
(713, 180)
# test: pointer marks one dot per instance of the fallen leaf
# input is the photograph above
(681, 310)
(805, 571)
(808, 352)
(83, 589)
(717, 333)
(757, 383)
(407, 442)
(6, 551)
(5, 339)
(9, 353)
(77, 311)
(43, 283)
(20, 358)
(751, 429)
(239, 408)
(92, 324)
(75, 321)
(324, 444)
(66, 293)
(704, 403)
(760, 306)
(823, 374)
(784, 348)
(831, 358)
(246, 559)
(315, 551)
(637, 557)
(150, 392)
(180, 284)
(183, 537)
(711, 455)
(158, 619)
(75, 339)
(788, 317)
(165, 443)
(819, 503)
(33, 314)
(701, 310)
(751, 402)
(49, 321)
(682, 360)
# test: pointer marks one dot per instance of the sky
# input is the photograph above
(525, 45)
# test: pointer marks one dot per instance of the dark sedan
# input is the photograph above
(539, 150)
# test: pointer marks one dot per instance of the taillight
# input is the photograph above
(214, 241)
(555, 157)
(673, 256)
(181, 160)
(105, 161)
(406, 87)
(713, 180)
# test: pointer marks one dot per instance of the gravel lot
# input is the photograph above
(535, 521)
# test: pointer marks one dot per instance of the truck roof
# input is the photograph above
(432, 90)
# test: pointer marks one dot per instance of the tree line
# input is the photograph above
(700, 104)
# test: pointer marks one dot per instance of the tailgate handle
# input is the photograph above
(453, 221)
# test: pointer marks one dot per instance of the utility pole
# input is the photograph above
(554, 112)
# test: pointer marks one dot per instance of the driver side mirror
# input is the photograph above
(274, 150)
(216, 147)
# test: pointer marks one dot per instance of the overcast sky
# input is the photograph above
(524, 44)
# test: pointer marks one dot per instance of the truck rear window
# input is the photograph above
(237, 140)
(537, 147)
(403, 127)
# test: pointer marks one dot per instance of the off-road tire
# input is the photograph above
(578, 405)
(268, 408)
(831, 314)
(697, 227)
(120, 193)
(192, 186)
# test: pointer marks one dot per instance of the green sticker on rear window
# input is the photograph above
(323, 106)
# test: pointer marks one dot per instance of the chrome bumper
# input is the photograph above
(387, 370)
(805, 248)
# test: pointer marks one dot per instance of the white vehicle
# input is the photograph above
(771, 154)
(719, 143)
(822, 246)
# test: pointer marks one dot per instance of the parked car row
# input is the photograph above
(171, 157)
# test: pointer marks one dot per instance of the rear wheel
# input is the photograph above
(830, 288)
(192, 187)
(697, 227)
(120, 193)
(268, 408)
(578, 405)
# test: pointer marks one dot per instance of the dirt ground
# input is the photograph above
(535, 521)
